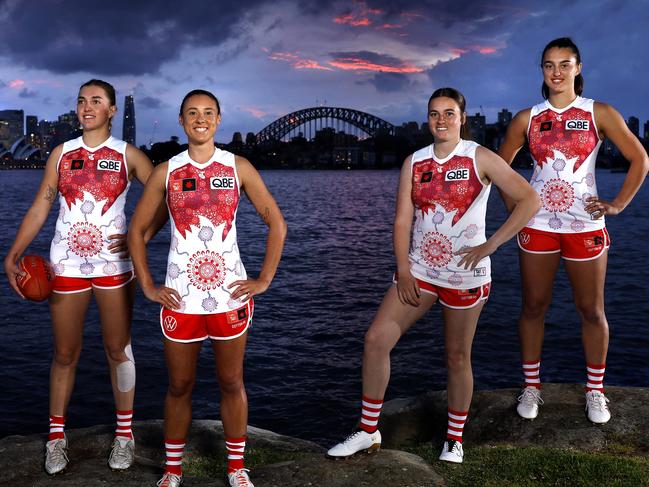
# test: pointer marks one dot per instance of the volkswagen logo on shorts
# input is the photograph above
(524, 238)
(170, 323)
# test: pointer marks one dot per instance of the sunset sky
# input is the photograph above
(264, 59)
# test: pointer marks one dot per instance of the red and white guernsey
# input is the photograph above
(92, 186)
(564, 144)
(450, 204)
(204, 255)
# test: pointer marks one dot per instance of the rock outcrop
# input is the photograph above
(405, 422)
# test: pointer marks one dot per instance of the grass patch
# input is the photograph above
(504, 466)
(212, 467)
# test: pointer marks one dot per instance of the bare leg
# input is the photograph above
(392, 320)
(181, 364)
(537, 277)
(68, 312)
(459, 330)
(587, 279)
(115, 311)
(229, 371)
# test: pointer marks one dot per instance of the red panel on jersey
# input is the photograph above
(572, 133)
(211, 192)
(80, 170)
(430, 185)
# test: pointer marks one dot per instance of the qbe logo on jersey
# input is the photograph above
(577, 124)
(457, 175)
(222, 182)
(108, 165)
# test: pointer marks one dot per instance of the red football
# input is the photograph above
(39, 279)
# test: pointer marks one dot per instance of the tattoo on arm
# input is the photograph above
(265, 215)
(50, 194)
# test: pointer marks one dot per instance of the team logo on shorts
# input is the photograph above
(545, 126)
(170, 323)
(479, 272)
(427, 177)
(524, 238)
(577, 125)
(594, 243)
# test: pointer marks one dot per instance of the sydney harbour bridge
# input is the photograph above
(309, 121)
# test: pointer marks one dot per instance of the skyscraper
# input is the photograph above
(634, 125)
(128, 128)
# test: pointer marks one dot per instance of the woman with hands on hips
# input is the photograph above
(207, 293)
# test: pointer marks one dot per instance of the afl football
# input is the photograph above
(38, 281)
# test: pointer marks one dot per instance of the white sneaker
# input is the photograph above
(357, 441)
(452, 452)
(56, 455)
(122, 453)
(239, 478)
(596, 407)
(170, 480)
(528, 403)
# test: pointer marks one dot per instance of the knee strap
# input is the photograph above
(126, 371)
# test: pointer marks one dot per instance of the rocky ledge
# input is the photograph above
(405, 422)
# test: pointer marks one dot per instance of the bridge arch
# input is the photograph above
(281, 127)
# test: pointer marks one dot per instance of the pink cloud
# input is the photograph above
(358, 64)
(391, 26)
(297, 62)
(17, 83)
(359, 16)
(256, 112)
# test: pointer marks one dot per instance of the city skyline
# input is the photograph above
(384, 58)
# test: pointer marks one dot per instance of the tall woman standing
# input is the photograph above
(564, 134)
(443, 258)
(207, 293)
(91, 175)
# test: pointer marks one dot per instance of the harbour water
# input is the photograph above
(304, 349)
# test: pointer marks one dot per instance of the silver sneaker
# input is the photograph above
(452, 452)
(56, 455)
(528, 403)
(122, 453)
(170, 480)
(239, 478)
(358, 441)
(596, 407)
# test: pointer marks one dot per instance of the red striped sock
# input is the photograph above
(595, 377)
(174, 453)
(456, 420)
(532, 371)
(236, 449)
(57, 426)
(370, 411)
(124, 419)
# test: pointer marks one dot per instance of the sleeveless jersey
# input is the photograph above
(92, 186)
(204, 255)
(450, 204)
(564, 144)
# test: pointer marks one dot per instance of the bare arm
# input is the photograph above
(144, 216)
(514, 140)
(34, 218)
(526, 203)
(270, 213)
(612, 126)
(407, 287)
(139, 167)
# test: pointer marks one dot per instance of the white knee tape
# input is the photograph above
(126, 371)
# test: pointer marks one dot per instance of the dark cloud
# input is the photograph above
(115, 37)
(27, 93)
(149, 102)
(390, 82)
(372, 57)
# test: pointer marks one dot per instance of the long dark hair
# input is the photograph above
(455, 95)
(200, 92)
(563, 43)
